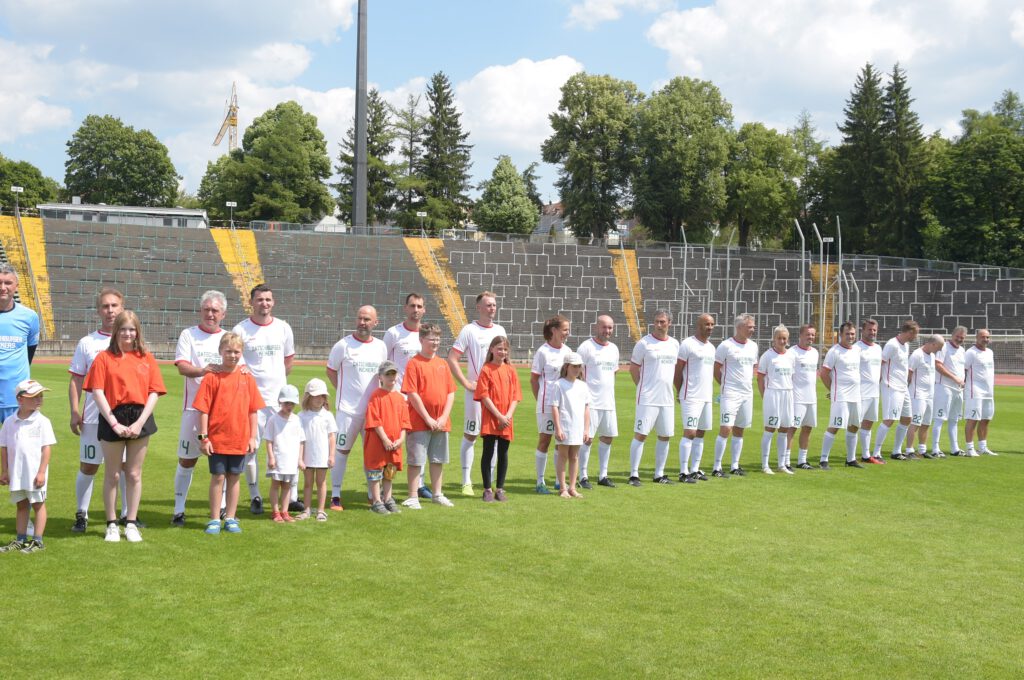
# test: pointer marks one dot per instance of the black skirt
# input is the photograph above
(125, 414)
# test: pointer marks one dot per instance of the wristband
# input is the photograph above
(201, 437)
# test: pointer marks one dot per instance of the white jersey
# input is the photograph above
(896, 357)
(777, 369)
(657, 362)
(81, 361)
(738, 361)
(844, 364)
(285, 435)
(473, 342)
(200, 349)
(357, 363)
(600, 362)
(980, 373)
(547, 363)
(953, 359)
(402, 344)
(24, 441)
(922, 364)
(317, 427)
(870, 368)
(699, 373)
(266, 348)
(571, 399)
(805, 380)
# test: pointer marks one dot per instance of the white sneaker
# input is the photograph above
(113, 534)
(767, 470)
(412, 504)
(990, 452)
(131, 532)
(443, 500)
(785, 470)
(973, 454)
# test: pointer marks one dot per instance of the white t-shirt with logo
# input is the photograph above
(266, 348)
(81, 361)
(738, 361)
(699, 372)
(473, 342)
(953, 360)
(547, 363)
(657, 362)
(805, 380)
(922, 364)
(777, 369)
(896, 357)
(870, 368)
(24, 441)
(600, 363)
(200, 349)
(402, 344)
(844, 363)
(357, 363)
(980, 372)
(285, 435)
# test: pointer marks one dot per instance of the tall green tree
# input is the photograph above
(446, 159)
(505, 205)
(110, 162)
(408, 124)
(594, 143)
(380, 173)
(38, 187)
(761, 183)
(530, 178)
(903, 220)
(278, 174)
(808, 147)
(684, 136)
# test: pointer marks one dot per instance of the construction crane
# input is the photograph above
(230, 124)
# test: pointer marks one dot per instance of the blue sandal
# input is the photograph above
(232, 526)
(213, 527)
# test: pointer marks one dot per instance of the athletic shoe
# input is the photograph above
(927, 455)
(277, 517)
(113, 534)
(256, 506)
(604, 481)
(989, 452)
(912, 456)
(938, 454)
(379, 508)
(558, 487)
(232, 527)
(123, 521)
(424, 493)
(738, 471)
(302, 515)
(81, 523)
(178, 520)
(719, 474)
(336, 504)
(823, 465)
(766, 470)
(32, 546)
(789, 469)
(287, 518)
(897, 456)
(131, 533)
(296, 506)
(873, 460)
(634, 481)
(961, 454)
(683, 477)
(212, 527)
(321, 516)
(973, 454)
(688, 479)
(467, 490)
(662, 480)
(442, 500)
(854, 464)
(585, 484)
(805, 466)
(392, 506)
(785, 470)
(412, 503)
(869, 460)
(13, 545)
(542, 490)
(500, 496)
(488, 496)
(701, 476)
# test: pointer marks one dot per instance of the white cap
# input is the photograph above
(573, 359)
(30, 388)
(289, 393)
(316, 387)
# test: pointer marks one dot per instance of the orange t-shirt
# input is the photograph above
(501, 384)
(433, 381)
(126, 378)
(387, 410)
(228, 399)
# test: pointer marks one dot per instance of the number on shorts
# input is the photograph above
(726, 417)
(185, 446)
(797, 421)
(471, 425)
(974, 414)
(839, 421)
(940, 413)
(342, 439)
(90, 451)
(773, 421)
(894, 413)
(691, 423)
(916, 420)
(639, 424)
(550, 427)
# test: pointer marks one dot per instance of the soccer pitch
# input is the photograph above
(913, 569)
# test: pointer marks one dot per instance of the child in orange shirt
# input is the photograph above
(498, 391)
(387, 420)
(228, 403)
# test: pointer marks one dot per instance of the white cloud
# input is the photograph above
(27, 80)
(590, 13)
(277, 62)
(1017, 26)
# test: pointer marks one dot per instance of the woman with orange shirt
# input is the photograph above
(125, 382)
(498, 391)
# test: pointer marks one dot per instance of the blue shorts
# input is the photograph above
(224, 464)
(6, 411)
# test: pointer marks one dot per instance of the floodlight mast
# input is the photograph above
(359, 177)
(803, 267)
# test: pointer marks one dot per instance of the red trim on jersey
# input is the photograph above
(483, 326)
(102, 332)
(365, 342)
(411, 330)
(598, 342)
(262, 324)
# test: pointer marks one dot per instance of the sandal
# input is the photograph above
(321, 516)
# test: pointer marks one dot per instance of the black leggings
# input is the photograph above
(490, 443)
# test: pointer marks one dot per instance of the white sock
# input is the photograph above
(826, 445)
(851, 446)
(636, 452)
(865, 442)
(696, 451)
(983, 445)
(936, 434)
(252, 474)
(540, 462)
(604, 453)
(466, 458)
(83, 490)
(801, 456)
(883, 432)
(737, 449)
(720, 443)
(660, 457)
(182, 481)
(685, 448)
(766, 447)
(584, 460)
(338, 474)
(954, 440)
(900, 437)
(122, 485)
(782, 447)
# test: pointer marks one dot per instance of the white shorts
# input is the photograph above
(89, 450)
(349, 427)
(604, 423)
(777, 408)
(736, 411)
(895, 404)
(545, 424)
(869, 409)
(696, 415)
(188, 445)
(978, 408)
(284, 477)
(843, 414)
(921, 412)
(805, 415)
(949, 403)
(31, 495)
(471, 426)
(661, 418)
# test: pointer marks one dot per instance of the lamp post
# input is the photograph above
(231, 205)
(17, 190)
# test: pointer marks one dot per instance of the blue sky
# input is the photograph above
(168, 66)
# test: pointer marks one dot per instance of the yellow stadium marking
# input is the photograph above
(627, 279)
(817, 271)
(36, 241)
(432, 260)
(241, 258)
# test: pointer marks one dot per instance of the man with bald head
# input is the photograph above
(949, 390)
(979, 392)
(600, 362)
(352, 368)
(695, 383)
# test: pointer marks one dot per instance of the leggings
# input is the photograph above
(490, 443)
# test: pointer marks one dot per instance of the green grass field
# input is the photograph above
(909, 570)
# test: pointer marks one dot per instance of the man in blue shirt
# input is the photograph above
(19, 335)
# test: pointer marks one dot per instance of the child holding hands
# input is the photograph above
(571, 412)
(285, 448)
(498, 391)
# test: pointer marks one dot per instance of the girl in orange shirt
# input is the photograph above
(498, 391)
